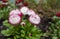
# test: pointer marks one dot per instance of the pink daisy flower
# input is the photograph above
(34, 19)
(15, 12)
(24, 10)
(14, 19)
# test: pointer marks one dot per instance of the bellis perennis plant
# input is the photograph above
(20, 28)
(15, 16)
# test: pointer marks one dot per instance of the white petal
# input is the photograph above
(24, 10)
(14, 19)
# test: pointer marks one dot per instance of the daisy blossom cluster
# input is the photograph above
(15, 16)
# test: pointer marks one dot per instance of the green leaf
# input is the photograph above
(33, 38)
(37, 1)
(8, 38)
(6, 32)
(1, 14)
(54, 37)
(22, 35)
(5, 23)
(59, 33)
(33, 29)
(27, 37)
(17, 36)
